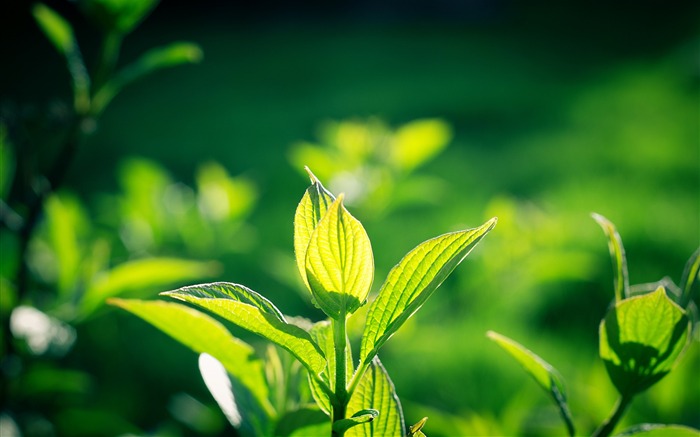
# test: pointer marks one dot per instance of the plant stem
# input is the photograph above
(108, 60)
(341, 395)
(606, 428)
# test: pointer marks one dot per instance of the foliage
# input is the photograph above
(641, 339)
(334, 258)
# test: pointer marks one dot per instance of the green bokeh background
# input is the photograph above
(557, 110)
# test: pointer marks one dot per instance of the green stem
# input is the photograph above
(607, 427)
(341, 395)
(108, 60)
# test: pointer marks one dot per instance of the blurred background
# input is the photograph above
(432, 117)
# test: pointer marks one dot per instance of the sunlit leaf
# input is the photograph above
(658, 430)
(142, 274)
(418, 141)
(217, 381)
(339, 262)
(376, 391)
(203, 334)
(546, 376)
(359, 418)
(311, 209)
(411, 282)
(251, 311)
(640, 340)
(417, 429)
(617, 253)
(155, 59)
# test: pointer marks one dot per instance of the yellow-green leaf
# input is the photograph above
(339, 262)
(640, 340)
(617, 253)
(658, 430)
(418, 141)
(411, 282)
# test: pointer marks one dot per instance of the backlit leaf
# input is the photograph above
(418, 141)
(253, 312)
(617, 253)
(359, 418)
(640, 340)
(311, 209)
(339, 262)
(204, 334)
(546, 376)
(376, 391)
(412, 281)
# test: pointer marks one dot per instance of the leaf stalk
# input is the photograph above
(607, 427)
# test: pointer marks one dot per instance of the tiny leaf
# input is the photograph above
(251, 311)
(416, 430)
(311, 209)
(376, 391)
(546, 376)
(362, 416)
(202, 333)
(640, 340)
(617, 253)
(339, 262)
(411, 282)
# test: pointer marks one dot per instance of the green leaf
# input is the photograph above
(376, 391)
(691, 275)
(359, 418)
(117, 15)
(253, 312)
(219, 385)
(640, 340)
(617, 253)
(544, 374)
(153, 60)
(142, 274)
(303, 421)
(417, 429)
(411, 282)
(60, 34)
(66, 221)
(418, 141)
(203, 334)
(658, 430)
(311, 209)
(339, 262)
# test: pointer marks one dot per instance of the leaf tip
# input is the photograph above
(314, 179)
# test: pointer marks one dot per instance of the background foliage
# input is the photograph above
(538, 115)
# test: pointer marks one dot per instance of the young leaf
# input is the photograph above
(546, 376)
(691, 273)
(376, 391)
(311, 209)
(640, 340)
(417, 429)
(411, 282)
(658, 430)
(362, 416)
(153, 60)
(202, 333)
(617, 253)
(251, 311)
(339, 262)
(141, 274)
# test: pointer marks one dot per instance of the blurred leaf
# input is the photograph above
(691, 276)
(640, 340)
(376, 391)
(117, 15)
(65, 219)
(155, 59)
(43, 380)
(7, 164)
(303, 422)
(203, 334)
(60, 34)
(617, 253)
(359, 418)
(418, 141)
(546, 376)
(251, 311)
(657, 430)
(222, 197)
(142, 274)
(339, 262)
(411, 282)
(311, 209)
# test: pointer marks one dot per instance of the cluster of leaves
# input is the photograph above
(373, 164)
(641, 339)
(335, 260)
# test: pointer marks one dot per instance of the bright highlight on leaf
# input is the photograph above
(640, 340)
(411, 282)
(217, 381)
(339, 262)
(546, 376)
